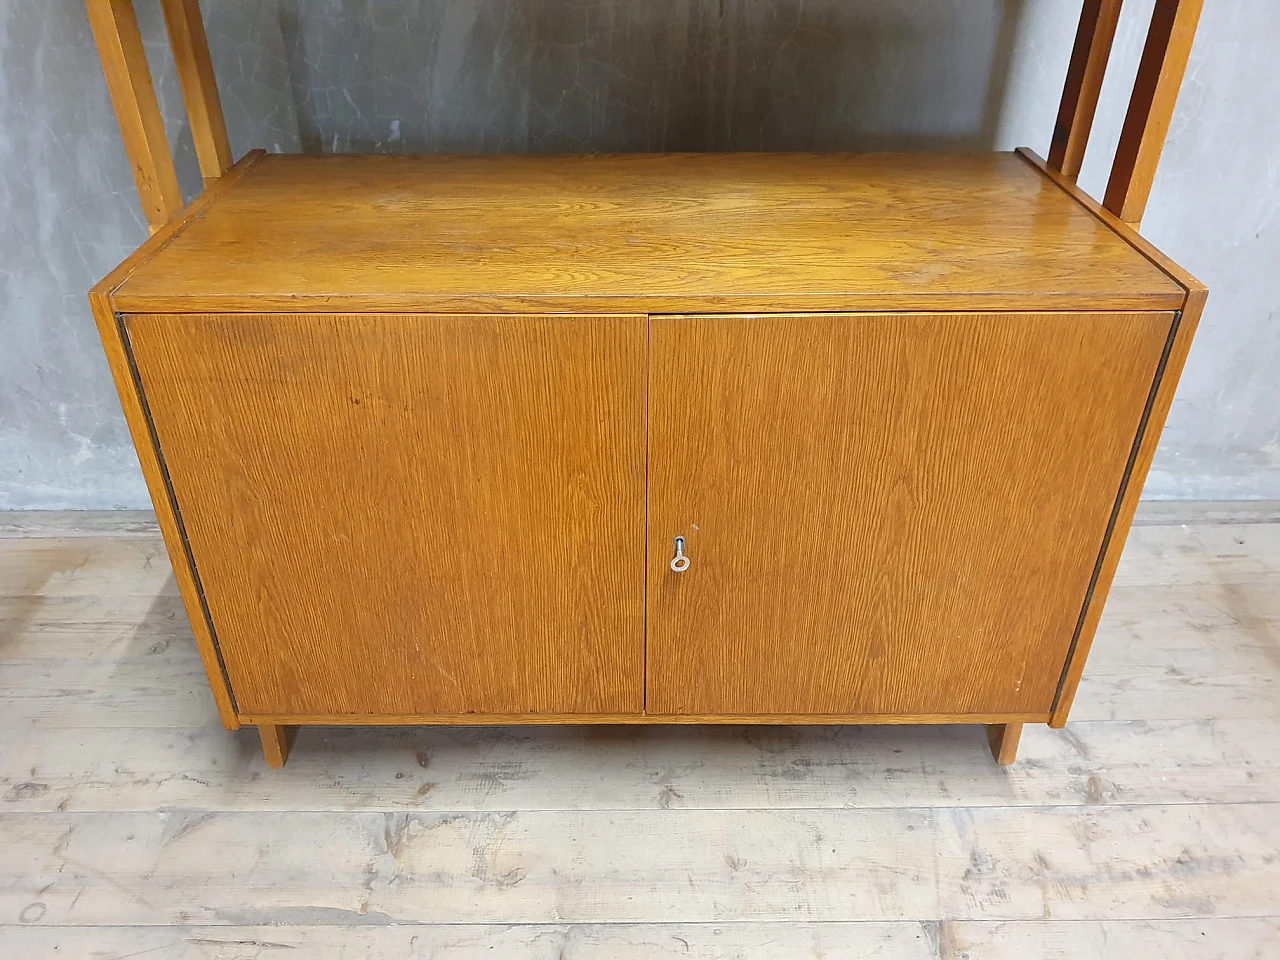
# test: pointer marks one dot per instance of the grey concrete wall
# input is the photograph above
(579, 75)
(69, 213)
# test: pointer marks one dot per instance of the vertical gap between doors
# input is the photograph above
(648, 466)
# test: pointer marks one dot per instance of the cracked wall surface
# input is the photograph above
(622, 75)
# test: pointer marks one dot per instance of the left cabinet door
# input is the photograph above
(402, 516)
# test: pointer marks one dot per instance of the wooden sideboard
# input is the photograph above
(801, 438)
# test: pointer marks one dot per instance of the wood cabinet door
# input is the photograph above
(883, 515)
(410, 515)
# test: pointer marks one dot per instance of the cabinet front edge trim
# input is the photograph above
(489, 719)
(461, 304)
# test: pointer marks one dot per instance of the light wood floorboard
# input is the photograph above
(479, 769)
(659, 866)
(132, 824)
(1242, 939)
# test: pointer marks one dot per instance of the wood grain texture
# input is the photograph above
(40, 524)
(157, 480)
(1125, 231)
(1088, 66)
(1216, 555)
(124, 64)
(497, 719)
(896, 514)
(1114, 862)
(199, 86)
(110, 712)
(903, 940)
(411, 515)
(1122, 519)
(161, 238)
(57, 767)
(1192, 660)
(140, 430)
(1164, 512)
(103, 617)
(1194, 939)
(117, 524)
(643, 234)
(276, 741)
(1138, 838)
(1208, 652)
(1003, 739)
(117, 694)
(1155, 93)
(1161, 400)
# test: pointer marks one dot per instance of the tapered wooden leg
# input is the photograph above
(1003, 738)
(276, 741)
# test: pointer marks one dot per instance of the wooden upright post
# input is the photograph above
(199, 88)
(124, 62)
(1155, 91)
(1089, 58)
(1160, 72)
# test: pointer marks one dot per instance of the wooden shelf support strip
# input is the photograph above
(1155, 91)
(199, 87)
(124, 62)
(1089, 59)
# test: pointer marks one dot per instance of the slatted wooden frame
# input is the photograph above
(124, 62)
(1160, 73)
(1155, 92)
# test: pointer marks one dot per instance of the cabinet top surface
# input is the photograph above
(643, 233)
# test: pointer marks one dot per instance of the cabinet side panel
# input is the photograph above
(1127, 504)
(153, 472)
(411, 515)
(884, 514)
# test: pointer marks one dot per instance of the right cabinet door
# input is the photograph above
(892, 515)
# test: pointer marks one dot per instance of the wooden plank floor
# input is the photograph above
(131, 824)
